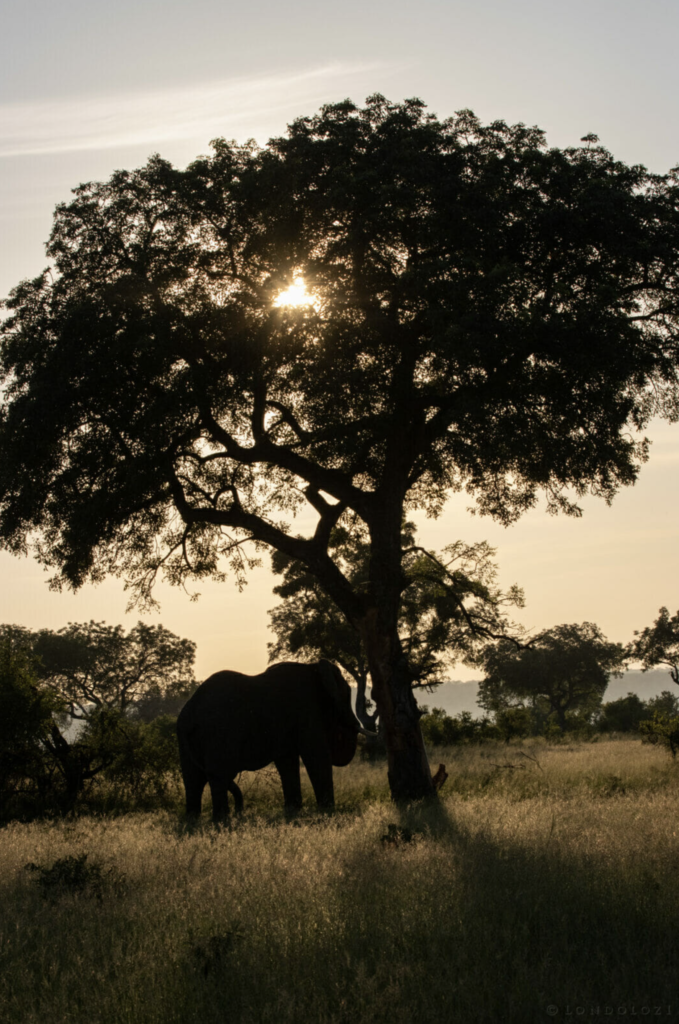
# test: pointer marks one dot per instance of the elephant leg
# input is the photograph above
(219, 788)
(237, 797)
(319, 770)
(288, 769)
(195, 780)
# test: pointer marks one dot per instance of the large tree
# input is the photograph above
(487, 314)
(658, 644)
(564, 671)
(93, 665)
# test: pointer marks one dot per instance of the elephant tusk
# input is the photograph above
(366, 732)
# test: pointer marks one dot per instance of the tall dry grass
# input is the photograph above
(552, 885)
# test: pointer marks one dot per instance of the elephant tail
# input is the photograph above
(237, 796)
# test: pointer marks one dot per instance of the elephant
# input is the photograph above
(234, 722)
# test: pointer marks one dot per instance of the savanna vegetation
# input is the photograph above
(87, 704)
(545, 878)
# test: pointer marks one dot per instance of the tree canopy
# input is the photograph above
(488, 313)
(658, 644)
(565, 669)
(93, 665)
(110, 682)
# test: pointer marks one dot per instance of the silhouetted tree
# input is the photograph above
(92, 665)
(566, 668)
(28, 712)
(450, 607)
(488, 314)
(624, 714)
(658, 644)
(100, 676)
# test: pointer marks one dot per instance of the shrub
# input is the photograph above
(517, 721)
(144, 757)
(623, 715)
(73, 875)
(441, 730)
(26, 720)
(662, 728)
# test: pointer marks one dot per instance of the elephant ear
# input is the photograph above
(337, 688)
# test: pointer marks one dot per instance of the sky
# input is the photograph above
(90, 87)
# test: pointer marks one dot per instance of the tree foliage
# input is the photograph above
(93, 665)
(27, 715)
(105, 681)
(662, 728)
(443, 730)
(488, 314)
(658, 644)
(450, 607)
(624, 714)
(565, 670)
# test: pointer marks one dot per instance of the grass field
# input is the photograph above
(545, 886)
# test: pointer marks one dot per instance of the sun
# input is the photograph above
(296, 295)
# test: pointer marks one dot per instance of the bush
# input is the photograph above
(74, 876)
(623, 715)
(662, 728)
(144, 758)
(513, 722)
(27, 711)
(441, 730)
(666, 702)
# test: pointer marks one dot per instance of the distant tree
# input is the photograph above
(27, 715)
(665, 703)
(624, 714)
(487, 314)
(565, 668)
(95, 666)
(451, 607)
(658, 644)
(99, 676)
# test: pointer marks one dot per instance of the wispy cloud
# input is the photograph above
(233, 107)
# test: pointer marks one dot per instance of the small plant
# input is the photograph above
(662, 728)
(396, 835)
(611, 785)
(73, 876)
(210, 956)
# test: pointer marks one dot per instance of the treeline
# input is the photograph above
(89, 709)
(88, 712)
(656, 720)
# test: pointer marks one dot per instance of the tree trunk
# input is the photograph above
(408, 766)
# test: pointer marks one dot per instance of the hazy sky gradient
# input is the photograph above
(87, 87)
